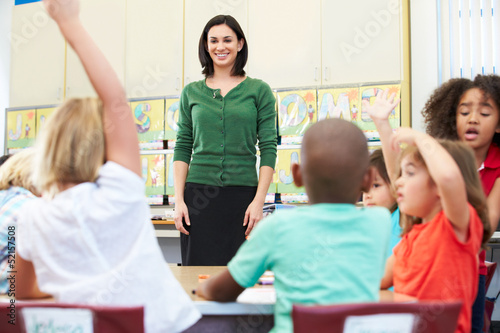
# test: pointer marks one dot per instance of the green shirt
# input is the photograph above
(220, 133)
(320, 254)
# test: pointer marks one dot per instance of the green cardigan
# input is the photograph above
(220, 133)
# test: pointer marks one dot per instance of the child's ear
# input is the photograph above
(368, 180)
(297, 175)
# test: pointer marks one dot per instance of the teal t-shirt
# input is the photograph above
(395, 232)
(320, 254)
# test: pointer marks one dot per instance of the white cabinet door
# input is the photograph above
(197, 14)
(105, 21)
(361, 41)
(37, 58)
(285, 42)
(153, 65)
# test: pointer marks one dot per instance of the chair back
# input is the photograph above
(491, 267)
(47, 317)
(429, 317)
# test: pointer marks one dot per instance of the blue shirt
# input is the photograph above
(320, 254)
(11, 201)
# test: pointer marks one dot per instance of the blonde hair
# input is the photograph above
(17, 171)
(464, 157)
(71, 146)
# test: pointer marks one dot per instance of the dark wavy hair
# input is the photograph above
(440, 111)
(206, 61)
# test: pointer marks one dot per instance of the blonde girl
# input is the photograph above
(90, 239)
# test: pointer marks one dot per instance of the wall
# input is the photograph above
(5, 24)
(424, 56)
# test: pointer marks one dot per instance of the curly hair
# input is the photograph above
(440, 111)
(490, 86)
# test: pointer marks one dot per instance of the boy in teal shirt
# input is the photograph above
(327, 252)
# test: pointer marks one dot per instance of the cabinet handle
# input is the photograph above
(326, 74)
(315, 73)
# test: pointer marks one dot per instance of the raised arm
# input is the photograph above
(379, 112)
(122, 144)
(445, 173)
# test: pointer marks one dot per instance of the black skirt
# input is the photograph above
(216, 215)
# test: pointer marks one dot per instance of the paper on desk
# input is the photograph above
(257, 296)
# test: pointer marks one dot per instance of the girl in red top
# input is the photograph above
(444, 214)
(469, 111)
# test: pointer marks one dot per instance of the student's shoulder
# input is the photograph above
(376, 213)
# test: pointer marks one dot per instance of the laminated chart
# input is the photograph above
(169, 159)
(41, 116)
(153, 174)
(369, 93)
(296, 112)
(149, 117)
(287, 157)
(171, 118)
(338, 103)
(21, 129)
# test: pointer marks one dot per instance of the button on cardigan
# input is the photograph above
(217, 135)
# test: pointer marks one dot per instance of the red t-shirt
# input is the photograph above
(432, 264)
(489, 172)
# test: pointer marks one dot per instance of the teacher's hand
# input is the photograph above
(253, 215)
(181, 211)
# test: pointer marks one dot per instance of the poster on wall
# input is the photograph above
(284, 176)
(297, 111)
(153, 174)
(149, 117)
(169, 160)
(171, 118)
(369, 93)
(339, 103)
(41, 116)
(21, 128)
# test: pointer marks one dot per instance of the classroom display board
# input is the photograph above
(153, 174)
(156, 125)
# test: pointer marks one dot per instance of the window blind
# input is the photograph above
(468, 38)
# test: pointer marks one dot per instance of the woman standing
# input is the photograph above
(218, 196)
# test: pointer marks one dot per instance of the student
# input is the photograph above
(381, 194)
(218, 196)
(16, 188)
(90, 239)
(469, 111)
(450, 230)
(321, 253)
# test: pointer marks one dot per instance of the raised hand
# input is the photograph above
(382, 107)
(62, 11)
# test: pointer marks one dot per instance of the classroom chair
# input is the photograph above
(102, 319)
(428, 317)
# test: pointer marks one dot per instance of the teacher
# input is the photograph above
(218, 195)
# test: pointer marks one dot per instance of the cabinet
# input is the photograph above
(197, 14)
(105, 22)
(284, 39)
(324, 42)
(37, 58)
(153, 64)
(364, 47)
